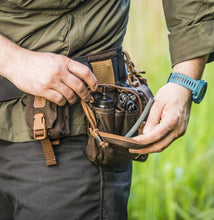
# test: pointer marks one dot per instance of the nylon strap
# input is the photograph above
(48, 152)
(40, 132)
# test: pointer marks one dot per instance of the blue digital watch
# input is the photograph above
(198, 87)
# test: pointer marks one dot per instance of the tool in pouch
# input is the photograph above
(114, 114)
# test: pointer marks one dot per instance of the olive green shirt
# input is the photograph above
(81, 27)
(191, 28)
(69, 27)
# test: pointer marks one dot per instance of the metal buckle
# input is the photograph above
(39, 126)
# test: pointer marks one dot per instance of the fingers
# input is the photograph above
(66, 92)
(159, 131)
(55, 77)
(72, 82)
(84, 73)
(55, 97)
(61, 95)
(167, 120)
(77, 86)
(158, 146)
(161, 136)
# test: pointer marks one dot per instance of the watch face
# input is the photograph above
(202, 92)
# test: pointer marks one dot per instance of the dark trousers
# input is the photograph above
(74, 189)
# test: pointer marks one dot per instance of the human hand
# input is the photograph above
(54, 77)
(167, 119)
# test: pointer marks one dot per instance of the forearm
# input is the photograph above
(55, 77)
(8, 54)
(192, 68)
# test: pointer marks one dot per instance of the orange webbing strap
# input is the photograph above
(104, 72)
(89, 114)
(40, 133)
(48, 152)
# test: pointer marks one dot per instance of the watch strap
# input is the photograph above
(183, 80)
(198, 87)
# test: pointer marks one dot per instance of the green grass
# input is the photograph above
(179, 182)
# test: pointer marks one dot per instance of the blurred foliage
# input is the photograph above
(179, 182)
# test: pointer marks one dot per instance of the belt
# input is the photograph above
(108, 67)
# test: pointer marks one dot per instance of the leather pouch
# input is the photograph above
(107, 144)
(56, 117)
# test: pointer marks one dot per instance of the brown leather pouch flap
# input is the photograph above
(56, 117)
(117, 140)
(48, 108)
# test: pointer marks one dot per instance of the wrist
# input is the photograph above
(197, 87)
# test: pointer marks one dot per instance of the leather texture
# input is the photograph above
(107, 127)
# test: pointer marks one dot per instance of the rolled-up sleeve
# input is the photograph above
(191, 28)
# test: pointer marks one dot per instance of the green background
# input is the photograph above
(179, 182)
